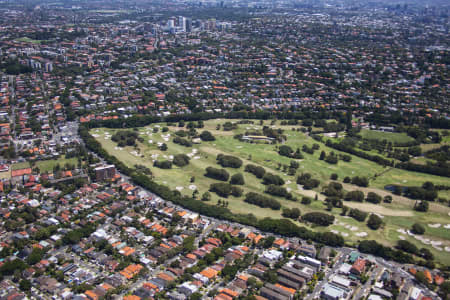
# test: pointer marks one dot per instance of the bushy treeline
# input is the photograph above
(262, 201)
(255, 170)
(318, 218)
(182, 141)
(228, 161)
(276, 190)
(218, 174)
(225, 189)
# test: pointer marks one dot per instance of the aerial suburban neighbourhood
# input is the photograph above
(224, 149)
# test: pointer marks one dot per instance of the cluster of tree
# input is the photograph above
(228, 161)
(237, 179)
(181, 160)
(429, 168)
(374, 248)
(307, 182)
(74, 236)
(218, 174)
(318, 218)
(228, 126)
(225, 189)
(14, 67)
(262, 201)
(182, 142)
(373, 198)
(293, 213)
(270, 178)
(162, 164)
(207, 136)
(276, 134)
(181, 133)
(334, 189)
(358, 180)
(441, 154)
(346, 147)
(357, 214)
(276, 190)
(311, 150)
(126, 138)
(255, 170)
(356, 196)
(428, 191)
(409, 247)
(287, 151)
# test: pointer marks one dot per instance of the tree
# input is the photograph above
(237, 179)
(387, 199)
(163, 147)
(25, 285)
(422, 206)
(334, 176)
(206, 196)
(373, 198)
(374, 222)
(207, 136)
(418, 228)
(322, 155)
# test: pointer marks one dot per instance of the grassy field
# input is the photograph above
(47, 165)
(21, 165)
(398, 216)
(28, 40)
(389, 136)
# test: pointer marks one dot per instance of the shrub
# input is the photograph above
(218, 174)
(237, 179)
(334, 176)
(255, 170)
(318, 218)
(347, 179)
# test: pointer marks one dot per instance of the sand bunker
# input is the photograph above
(437, 225)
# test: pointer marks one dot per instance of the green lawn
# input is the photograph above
(28, 40)
(21, 165)
(266, 156)
(389, 136)
(47, 165)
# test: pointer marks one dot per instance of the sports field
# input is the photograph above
(398, 216)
